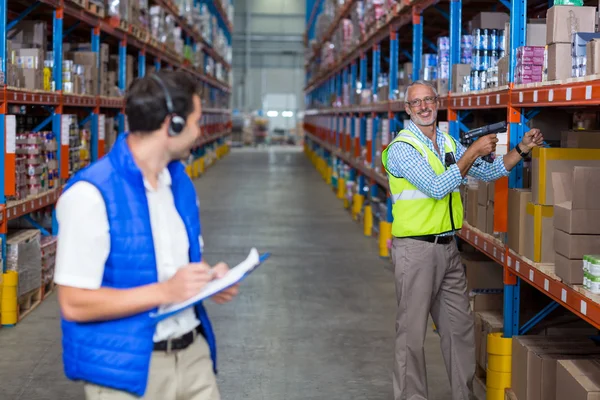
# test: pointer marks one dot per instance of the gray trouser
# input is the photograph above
(430, 278)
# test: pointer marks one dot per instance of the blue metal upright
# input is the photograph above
(376, 65)
(157, 64)
(3, 21)
(393, 65)
(417, 44)
(455, 25)
(518, 35)
(518, 24)
(122, 80)
(353, 77)
(374, 140)
(142, 64)
(94, 116)
(512, 298)
(363, 72)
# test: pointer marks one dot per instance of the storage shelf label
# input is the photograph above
(563, 295)
(11, 134)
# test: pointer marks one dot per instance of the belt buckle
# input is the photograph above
(435, 241)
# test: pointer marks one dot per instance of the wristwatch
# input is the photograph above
(521, 153)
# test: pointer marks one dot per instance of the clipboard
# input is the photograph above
(233, 277)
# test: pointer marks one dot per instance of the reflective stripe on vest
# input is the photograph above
(413, 195)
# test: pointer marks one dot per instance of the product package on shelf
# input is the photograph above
(48, 253)
(429, 67)
(579, 56)
(530, 64)
(31, 146)
(23, 255)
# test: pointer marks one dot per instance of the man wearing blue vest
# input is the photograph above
(129, 242)
(426, 167)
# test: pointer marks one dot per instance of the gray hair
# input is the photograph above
(420, 82)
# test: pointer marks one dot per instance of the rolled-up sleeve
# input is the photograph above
(482, 169)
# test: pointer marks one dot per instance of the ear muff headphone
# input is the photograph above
(177, 122)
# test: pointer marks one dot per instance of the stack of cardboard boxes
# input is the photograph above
(563, 22)
(26, 51)
(576, 221)
(536, 370)
(485, 207)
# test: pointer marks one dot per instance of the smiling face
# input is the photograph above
(422, 105)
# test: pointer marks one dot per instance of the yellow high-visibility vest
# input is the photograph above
(415, 213)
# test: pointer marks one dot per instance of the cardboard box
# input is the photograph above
(487, 302)
(485, 192)
(546, 161)
(593, 57)
(577, 187)
(580, 139)
(562, 20)
(481, 272)
(574, 247)
(578, 379)
(570, 271)
(536, 34)
(576, 222)
(30, 33)
(481, 218)
(534, 361)
(503, 71)
(459, 71)
(517, 204)
(486, 322)
(489, 20)
(472, 205)
(489, 219)
(560, 64)
(539, 237)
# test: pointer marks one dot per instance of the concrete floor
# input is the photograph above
(315, 322)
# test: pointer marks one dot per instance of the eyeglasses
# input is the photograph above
(418, 102)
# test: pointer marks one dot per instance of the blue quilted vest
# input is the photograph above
(117, 353)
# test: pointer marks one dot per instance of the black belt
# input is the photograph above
(180, 343)
(433, 239)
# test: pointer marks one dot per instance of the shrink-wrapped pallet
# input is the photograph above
(23, 255)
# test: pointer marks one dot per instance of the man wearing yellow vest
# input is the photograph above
(425, 167)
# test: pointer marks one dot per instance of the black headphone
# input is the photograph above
(177, 122)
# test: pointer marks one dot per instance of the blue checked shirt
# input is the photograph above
(406, 161)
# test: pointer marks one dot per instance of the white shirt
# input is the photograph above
(84, 243)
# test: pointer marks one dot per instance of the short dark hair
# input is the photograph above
(145, 102)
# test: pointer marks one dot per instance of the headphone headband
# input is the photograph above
(177, 122)
(168, 100)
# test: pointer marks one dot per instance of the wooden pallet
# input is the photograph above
(29, 302)
(47, 289)
(96, 8)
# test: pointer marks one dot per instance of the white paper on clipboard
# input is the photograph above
(233, 276)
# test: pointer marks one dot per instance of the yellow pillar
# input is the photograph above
(385, 234)
(368, 221)
(9, 298)
(341, 188)
(357, 203)
(499, 371)
(201, 165)
(329, 175)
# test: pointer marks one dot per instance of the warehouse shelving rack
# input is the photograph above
(348, 124)
(216, 121)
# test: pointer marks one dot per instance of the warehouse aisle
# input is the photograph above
(315, 322)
